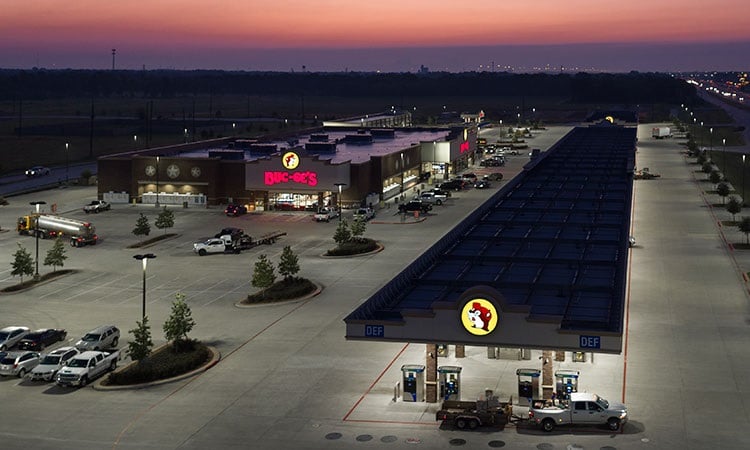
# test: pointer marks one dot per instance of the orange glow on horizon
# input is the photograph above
(387, 23)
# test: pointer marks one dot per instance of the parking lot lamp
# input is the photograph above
(724, 154)
(157, 181)
(67, 145)
(339, 185)
(145, 259)
(711, 142)
(743, 180)
(709, 153)
(36, 234)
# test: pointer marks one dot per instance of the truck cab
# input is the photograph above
(580, 409)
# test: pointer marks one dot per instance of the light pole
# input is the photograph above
(66, 163)
(711, 142)
(157, 181)
(724, 154)
(743, 179)
(339, 185)
(403, 173)
(145, 259)
(709, 153)
(36, 234)
(135, 140)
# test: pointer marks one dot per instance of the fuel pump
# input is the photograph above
(412, 382)
(449, 378)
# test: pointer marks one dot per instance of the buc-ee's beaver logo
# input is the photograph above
(290, 160)
(479, 316)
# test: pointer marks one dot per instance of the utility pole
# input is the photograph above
(114, 50)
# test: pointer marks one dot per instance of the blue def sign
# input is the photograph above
(374, 330)
(590, 341)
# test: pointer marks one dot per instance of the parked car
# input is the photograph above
(87, 366)
(37, 171)
(482, 184)
(212, 245)
(414, 205)
(97, 206)
(494, 176)
(364, 214)
(51, 363)
(440, 193)
(453, 185)
(18, 363)
(235, 210)
(9, 336)
(430, 197)
(492, 162)
(471, 177)
(39, 339)
(100, 338)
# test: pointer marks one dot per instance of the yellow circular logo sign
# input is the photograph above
(290, 160)
(479, 316)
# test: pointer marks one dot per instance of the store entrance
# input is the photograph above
(284, 201)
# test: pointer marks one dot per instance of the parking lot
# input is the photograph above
(288, 378)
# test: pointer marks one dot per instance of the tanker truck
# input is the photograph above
(49, 226)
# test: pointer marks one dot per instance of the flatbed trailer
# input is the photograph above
(488, 411)
(245, 242)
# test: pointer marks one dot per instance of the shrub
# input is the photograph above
(285, 289)
(162, 364)
(362, 245)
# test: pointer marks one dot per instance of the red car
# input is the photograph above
(39, 339)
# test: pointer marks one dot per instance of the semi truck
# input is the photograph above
(661, 132)
(47, 226)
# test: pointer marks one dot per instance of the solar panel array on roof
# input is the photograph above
(554, 241)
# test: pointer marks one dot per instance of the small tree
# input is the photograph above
(744, 226)
(734, 207)
(22, 263)
(359, 226)
(289, 264)
(179, 323)
(342, 233)
(263, 275)
(707, 168)
(723, 190)
(56, 255)
(142, 227)
(701, 158)
(165, 220)
(140, 347)
(715, 177)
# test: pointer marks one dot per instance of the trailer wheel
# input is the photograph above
(473, 424)
(548, 425)
(613, 424)
(461, 423)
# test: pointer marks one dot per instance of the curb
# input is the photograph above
(314, 293)
(377, 250)
(215, 358)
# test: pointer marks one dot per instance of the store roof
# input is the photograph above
(554, 241)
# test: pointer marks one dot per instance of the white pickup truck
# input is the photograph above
(326, 214)
(87, 366)
(580, 409)
(97, 206)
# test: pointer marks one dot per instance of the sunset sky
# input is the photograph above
(387, 35)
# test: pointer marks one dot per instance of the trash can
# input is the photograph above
(185, 204)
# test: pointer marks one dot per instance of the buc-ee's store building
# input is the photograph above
(367, 166)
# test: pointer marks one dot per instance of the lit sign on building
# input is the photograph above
(479, 316)
(464, 147)
(290, 161)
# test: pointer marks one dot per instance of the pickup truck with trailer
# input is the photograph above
(580, 409)
(51, 226)
(487, 411)
(97, 206)
(234, 243)
(87, 366)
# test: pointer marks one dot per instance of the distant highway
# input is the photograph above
(18, 183)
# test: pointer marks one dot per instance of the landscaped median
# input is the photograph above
(162, 366)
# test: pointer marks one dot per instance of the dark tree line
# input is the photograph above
(630, 88)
